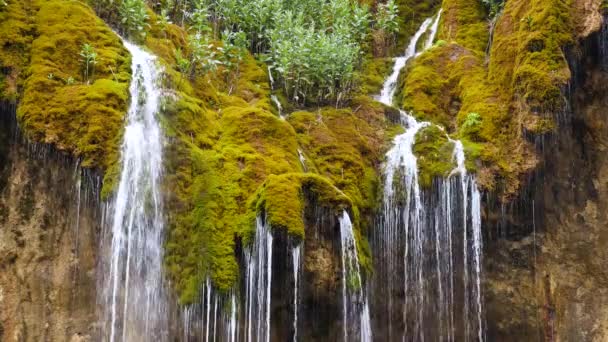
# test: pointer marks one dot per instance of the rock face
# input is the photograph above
(547, 271)
(48, 231)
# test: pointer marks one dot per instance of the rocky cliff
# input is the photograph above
(49, 223)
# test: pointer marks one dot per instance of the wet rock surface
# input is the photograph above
(48, 228)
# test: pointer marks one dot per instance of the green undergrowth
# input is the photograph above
(488, 102)
(56, 105)
(373, 73)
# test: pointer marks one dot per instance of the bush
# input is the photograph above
(133, 17)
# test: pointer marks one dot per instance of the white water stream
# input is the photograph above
(133, 299)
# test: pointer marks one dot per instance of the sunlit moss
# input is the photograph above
(56, 105)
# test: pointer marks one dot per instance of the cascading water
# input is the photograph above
(355, 314)
(133, 297)
(428, 245)
(259, 279)
(296, 255)
(213, 318)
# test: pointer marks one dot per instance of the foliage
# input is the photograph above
(494, 7)
(386, 26)
(133, 17)
(312, 64)
(89, 58)
(386, 18)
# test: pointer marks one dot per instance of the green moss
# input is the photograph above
(434, 153)
(224, 147)
(281, 199)
(85, 120)
(464, 21)
(16, 35)
(373, 73)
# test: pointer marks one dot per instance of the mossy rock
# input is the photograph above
(434, 153)
(412, 13)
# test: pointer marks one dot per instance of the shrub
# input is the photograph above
(133, 17)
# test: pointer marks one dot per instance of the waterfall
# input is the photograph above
(428, 243)
(133, 296)
(355, 308)
(295, 253)
(258, 278)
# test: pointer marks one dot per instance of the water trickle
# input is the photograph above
(133, 297)
(277, 103)
(258, 278)
(302, 160)
(295, 254)
(355, 310)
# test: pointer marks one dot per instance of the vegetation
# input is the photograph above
(230, 157)
(89, 58)
(435, 155)
(60, 103)
(489, 105)
(386, 27)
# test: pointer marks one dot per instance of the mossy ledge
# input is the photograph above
(57, 105)
(281, 199)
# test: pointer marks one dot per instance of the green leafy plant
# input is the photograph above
(471, 125)
(89, 58)
(133, 17)
(163, 20)
(387, 17)
(183, 64)
(234, 50)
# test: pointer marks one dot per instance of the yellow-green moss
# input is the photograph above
(464, 21)
(434, 154)
(85, 120)
(281, 199)
(373, 74)
(16, 35)
(412, 13)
